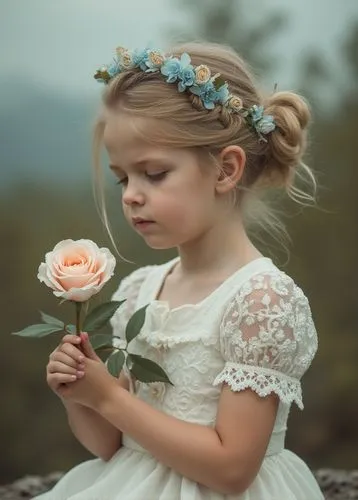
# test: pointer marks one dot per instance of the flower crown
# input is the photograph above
(198, 80)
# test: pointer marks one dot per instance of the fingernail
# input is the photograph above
(73, 377)
(81, 366)
(80, 374)
(81, 358)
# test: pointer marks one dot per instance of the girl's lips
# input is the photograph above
(143, 224)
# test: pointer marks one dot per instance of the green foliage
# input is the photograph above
(100, 315)
(146, 370)
(46, 318)
(100, 341)
(39, 330)
(115, 363)
(135, 323)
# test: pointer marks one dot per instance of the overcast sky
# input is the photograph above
(61, 43)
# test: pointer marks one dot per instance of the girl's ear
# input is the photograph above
(231, 161)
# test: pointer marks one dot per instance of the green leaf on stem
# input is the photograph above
(70, 329)
(46, 318)
(115, 363)
(100, 315)
(147, 370)
(40, 330)
(135, 323)
(101, 340)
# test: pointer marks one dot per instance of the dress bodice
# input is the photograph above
(254, 331)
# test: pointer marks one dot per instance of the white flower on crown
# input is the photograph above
(202, 74)
(125, 58)
(234, 103)
(155, 58)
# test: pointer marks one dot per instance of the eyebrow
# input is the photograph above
(142, 163)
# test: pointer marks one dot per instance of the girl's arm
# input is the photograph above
(225, 458)
(92, 430)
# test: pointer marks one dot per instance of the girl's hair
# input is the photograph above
(276, 163)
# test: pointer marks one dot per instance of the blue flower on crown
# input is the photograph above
(256, 113)
(187, 78)
(140, 58)
(171, 69)
(266, 124)
(209, 94)
(179, 69)
(114, 68)
(263, 124)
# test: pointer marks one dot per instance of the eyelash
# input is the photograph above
(153, 178)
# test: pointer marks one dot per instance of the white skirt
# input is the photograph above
(136, 475)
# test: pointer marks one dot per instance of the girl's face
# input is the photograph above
(162, 185)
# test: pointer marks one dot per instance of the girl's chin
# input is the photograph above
(158, 243)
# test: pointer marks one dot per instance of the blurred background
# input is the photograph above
(49, 53)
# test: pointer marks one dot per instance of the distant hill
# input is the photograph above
(43, 134)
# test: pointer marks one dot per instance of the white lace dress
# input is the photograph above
(254, 331)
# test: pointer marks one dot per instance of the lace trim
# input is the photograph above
(158, 339)
(261, 380)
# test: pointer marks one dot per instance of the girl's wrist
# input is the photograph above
(110, 399)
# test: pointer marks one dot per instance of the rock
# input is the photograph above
(336, 485)
(29, 486)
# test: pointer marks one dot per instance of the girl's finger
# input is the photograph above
(71, 339)
(72, 351)
(61, 378)
(65, 359)
(57, 367)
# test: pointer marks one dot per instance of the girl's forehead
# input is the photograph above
(126, 144)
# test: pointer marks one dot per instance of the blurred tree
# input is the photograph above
(227, 22)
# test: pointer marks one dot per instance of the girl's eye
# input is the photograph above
(153, 177)
(157, 177)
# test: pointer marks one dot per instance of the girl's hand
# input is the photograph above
(95, 385)
(66, 363)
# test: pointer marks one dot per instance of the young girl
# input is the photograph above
(193, 144)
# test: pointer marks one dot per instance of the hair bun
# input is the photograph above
(287, 143)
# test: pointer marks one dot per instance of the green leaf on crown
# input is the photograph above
(147, 370)
(135, 323)
(100, 315)
(40, 330)
(218, 82)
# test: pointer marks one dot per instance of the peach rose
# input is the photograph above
(76, 270)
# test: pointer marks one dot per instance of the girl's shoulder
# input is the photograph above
(131, 285)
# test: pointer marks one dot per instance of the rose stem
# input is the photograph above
(78, 317)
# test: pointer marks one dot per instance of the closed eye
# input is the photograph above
(152, 177)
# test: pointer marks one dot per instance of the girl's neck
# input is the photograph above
(220, 250)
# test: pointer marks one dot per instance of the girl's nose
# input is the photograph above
(132, 195)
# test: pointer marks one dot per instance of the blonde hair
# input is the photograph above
(276, 163)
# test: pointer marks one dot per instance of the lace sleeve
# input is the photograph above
(268, 338)
(128, 289)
